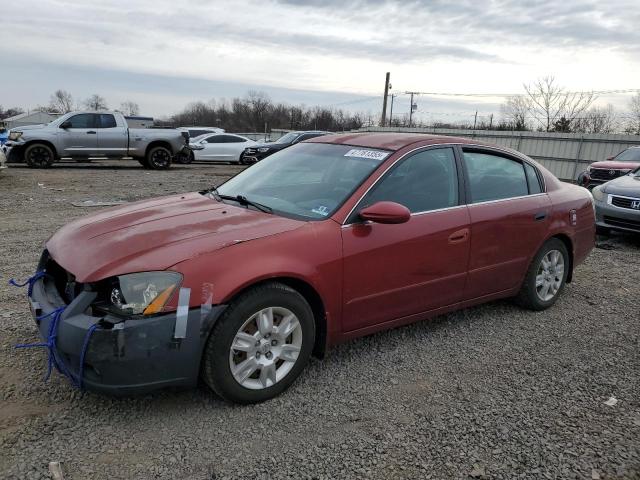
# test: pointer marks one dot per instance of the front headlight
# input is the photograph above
(598, 194)
(14, 135)
(144, 293)
(263, 149)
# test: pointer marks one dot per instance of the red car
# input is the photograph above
(613, 167)
(331, 239)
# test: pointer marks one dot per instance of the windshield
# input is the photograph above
(629, 155)
(288, 138)
(308, 180)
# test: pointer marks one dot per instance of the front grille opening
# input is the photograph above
(623, 202)
(65, 282)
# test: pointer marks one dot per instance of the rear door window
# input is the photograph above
(107, 120)
(494, 177)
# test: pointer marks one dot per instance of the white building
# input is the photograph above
(29, 118)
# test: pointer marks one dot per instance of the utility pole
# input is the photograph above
(475, 119)
(393, 95)
(490, 121)
(384, 101)
(411, 105)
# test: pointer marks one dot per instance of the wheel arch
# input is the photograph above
(566, 240)
(39, 142)
(312, 297)
(158, 143)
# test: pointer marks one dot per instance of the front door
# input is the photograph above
(80, 138)
(509, 220)
(393, 271)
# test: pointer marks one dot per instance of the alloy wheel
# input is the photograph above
(39, 156)
(550, 275)
(265, 348)
(161, 158)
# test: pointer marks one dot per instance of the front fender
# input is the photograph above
(310, 254)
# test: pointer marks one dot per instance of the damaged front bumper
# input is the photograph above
(123, 356)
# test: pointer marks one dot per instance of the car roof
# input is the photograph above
(391, 141)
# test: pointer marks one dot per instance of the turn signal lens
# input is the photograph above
(159, 302)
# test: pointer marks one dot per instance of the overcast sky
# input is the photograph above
(166, 53)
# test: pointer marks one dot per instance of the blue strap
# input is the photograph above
(83, 352)
(55, 360)
(30, 281)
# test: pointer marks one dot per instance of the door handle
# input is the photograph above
(91, 132)
(540, 216)
(459, 236)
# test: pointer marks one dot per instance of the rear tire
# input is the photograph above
(546, 277)
(275, 351)
(39, 155)
(159, 158)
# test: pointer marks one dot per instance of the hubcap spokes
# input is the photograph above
(266, 348)
(160, 157)
(550, 275)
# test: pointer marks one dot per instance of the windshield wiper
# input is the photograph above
(242, 200)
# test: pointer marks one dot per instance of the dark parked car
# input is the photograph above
(613, 167)
(255, 153)
(618, 204)
(327, 240)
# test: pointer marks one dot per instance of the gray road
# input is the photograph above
(489, 392)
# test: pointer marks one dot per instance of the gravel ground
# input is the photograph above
(489, 392)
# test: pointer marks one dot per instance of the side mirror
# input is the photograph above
(65, 125)
(610, 158)
(386, 212)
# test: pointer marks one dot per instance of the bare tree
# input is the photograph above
(61, 102)
(95, 102)
(597, 120)
(551, 104)
(130, 108)
(515, 111)
(634, 107)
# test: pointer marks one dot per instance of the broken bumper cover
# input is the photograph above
(124, 356)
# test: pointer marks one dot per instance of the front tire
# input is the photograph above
(546, 277)
(39, 155)
(159, 158)
(185, 158)
(260, 345)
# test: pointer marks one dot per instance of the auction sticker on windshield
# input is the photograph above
(362, 153)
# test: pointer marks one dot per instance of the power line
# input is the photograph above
(593, 92)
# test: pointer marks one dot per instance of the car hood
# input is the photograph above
(269, 144)
(613, 165)
(28, 127)
(156, 234)
(628, 185)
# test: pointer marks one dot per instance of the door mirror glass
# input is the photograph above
(386, 212)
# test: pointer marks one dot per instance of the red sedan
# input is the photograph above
(328, 240)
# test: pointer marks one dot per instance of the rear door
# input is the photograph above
(112, 138)
(230, 147)
(393, 271)
(509, 219)
(80, 139)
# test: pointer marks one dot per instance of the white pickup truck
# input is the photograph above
(83, 135)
